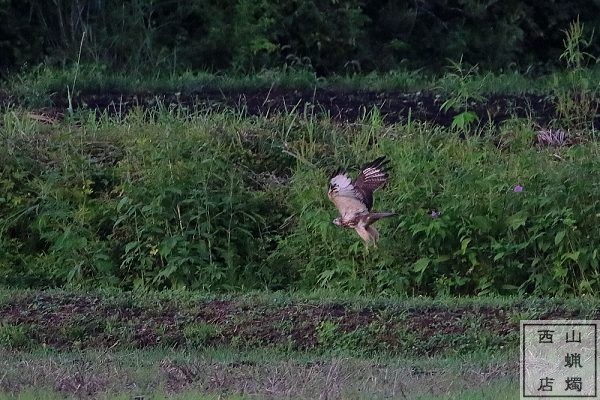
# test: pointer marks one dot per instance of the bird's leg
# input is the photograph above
(370, 243)
(366, 249)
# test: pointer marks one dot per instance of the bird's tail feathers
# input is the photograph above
(378, 215)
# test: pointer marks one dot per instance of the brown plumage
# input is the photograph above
(354, 199)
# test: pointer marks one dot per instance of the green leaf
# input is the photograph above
(544, 245)
(74, 271)
(131, 245)
(573, 256)
(441, 259)
(464, 119)
(165, 272)
(139, 283)
(167, 246)
(421, 264)
(559, 237)
(325, 276)
(482, 223)
(473, 259)
(122, 202)
(463, 245)
(448, 104)
(517, 220)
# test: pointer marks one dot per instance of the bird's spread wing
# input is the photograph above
(344, 195)
(373, 176)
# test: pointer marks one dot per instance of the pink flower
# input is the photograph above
(518, 189)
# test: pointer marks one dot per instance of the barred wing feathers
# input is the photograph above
(357, 197)
(372, 177)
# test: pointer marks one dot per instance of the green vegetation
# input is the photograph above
(44, 85)
(576, 103)
(221, 202)
(158, 395)
(198, 335)
(15, 336)
(462, 95)
(501, 390)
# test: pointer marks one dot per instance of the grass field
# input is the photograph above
(210, 374)
(265, 345)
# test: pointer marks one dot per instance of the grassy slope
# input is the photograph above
(139, 203)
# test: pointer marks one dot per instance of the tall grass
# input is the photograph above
(42, 85)
(223, 202)
(577, 104)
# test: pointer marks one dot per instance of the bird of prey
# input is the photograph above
(354, 199)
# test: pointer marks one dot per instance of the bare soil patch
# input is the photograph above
(341, 105)
(64, 320)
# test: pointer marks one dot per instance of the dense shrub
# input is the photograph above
(325, 35)
(140, 204)
(223, 203)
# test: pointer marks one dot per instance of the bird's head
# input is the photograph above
(337, 221)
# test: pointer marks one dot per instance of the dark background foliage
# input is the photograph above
(328, 36)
